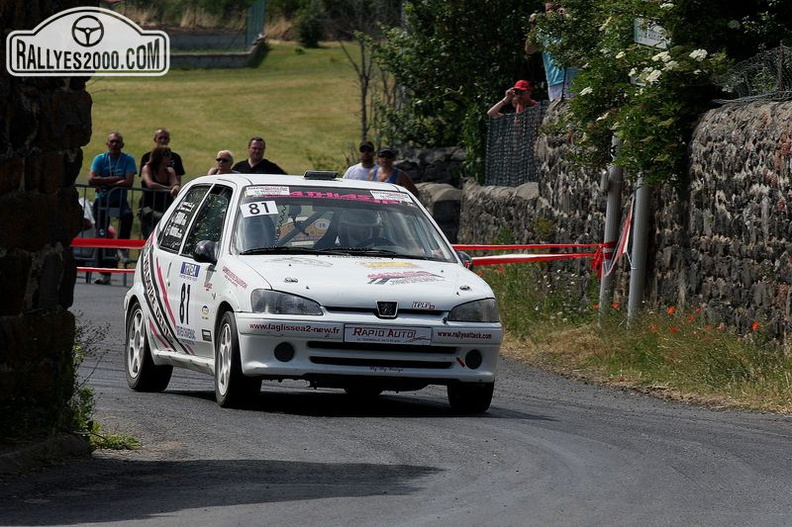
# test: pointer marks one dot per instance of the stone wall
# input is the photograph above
(724, 245)
(43, 124)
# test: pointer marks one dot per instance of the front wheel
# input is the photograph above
(232, 388)
(141, 373)
(470, 398)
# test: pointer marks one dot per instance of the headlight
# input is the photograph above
(277, 303)
(479, 311)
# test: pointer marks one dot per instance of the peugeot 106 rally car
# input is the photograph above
(344, 284)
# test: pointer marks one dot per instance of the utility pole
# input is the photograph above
(612, 183)
(640, 246)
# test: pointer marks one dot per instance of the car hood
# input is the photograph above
(349, 281)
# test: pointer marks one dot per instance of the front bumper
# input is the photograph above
(324, 352)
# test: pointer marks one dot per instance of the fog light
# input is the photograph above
(473, 359)
(284, 352)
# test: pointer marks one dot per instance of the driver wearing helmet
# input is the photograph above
(357, 227)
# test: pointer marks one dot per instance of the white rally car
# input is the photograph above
(344, 284)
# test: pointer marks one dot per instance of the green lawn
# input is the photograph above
(304, 103)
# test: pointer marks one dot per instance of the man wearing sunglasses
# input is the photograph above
(224, 160)
(361, 170)
(518, 97)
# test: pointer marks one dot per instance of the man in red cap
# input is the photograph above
(518, 96)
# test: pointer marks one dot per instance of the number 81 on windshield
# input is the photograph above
(258, 208)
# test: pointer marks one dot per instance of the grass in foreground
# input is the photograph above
(673, 355)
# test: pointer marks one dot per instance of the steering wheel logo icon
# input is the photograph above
(87, 31)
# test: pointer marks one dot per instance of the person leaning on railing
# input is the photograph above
(161, 186)
(112, 173)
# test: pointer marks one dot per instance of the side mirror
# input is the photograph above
(205, 251)
(467, 260)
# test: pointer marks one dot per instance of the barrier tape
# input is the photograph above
(532, 246)
(603, 252)
(104, 270)
(107, 243)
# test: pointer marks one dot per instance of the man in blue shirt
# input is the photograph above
(112, 173)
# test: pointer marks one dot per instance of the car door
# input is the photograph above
(191, 283)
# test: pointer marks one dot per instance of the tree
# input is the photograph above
(651, 97)
(361, 21)
(452, 60)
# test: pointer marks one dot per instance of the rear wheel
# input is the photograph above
(470, 398)
(232, 388)
(141, 373)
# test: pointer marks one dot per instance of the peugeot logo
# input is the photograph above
(87, 31)
(387, 309)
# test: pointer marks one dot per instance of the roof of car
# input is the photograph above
(296, 180)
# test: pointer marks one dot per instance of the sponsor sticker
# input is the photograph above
(385, 265)
(296, 329)
(190, 271)
(267, 190)
(467, 335)
(87, 41)
(403, 277)
(233, 278)
(389, 195)
(388, 334)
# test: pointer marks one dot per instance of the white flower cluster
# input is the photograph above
(586, 91)
(653, 76)
(698, 54)
(663, 55)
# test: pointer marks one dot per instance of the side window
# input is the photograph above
(172, 234)
(208, 224)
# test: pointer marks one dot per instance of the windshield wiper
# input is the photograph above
(368, 251)
(283, 249)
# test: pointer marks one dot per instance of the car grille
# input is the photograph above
(408, 359)
(373, 311)
(382, 363)
(375, 348)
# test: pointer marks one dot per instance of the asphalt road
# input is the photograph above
(550, 452)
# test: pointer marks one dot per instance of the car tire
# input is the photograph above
(141, 373)
(470, 398)
(232, 388)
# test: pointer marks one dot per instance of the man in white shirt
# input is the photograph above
(362, 169)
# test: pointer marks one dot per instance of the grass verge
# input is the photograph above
(303, 102)
(669, 354)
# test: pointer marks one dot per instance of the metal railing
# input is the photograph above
(115, 215)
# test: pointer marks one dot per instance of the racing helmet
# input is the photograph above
(357, 226)
(256, 232)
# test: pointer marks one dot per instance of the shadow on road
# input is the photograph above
(113, 490)
(329, 404)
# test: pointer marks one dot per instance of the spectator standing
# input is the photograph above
(361, 170)
(159, 180)
(224, 160)
(388, 173)
(162, 137)
(518, 97)
(112, 173)
(559, 80)
(256, 163)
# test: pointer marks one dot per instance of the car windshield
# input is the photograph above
(283, 219)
